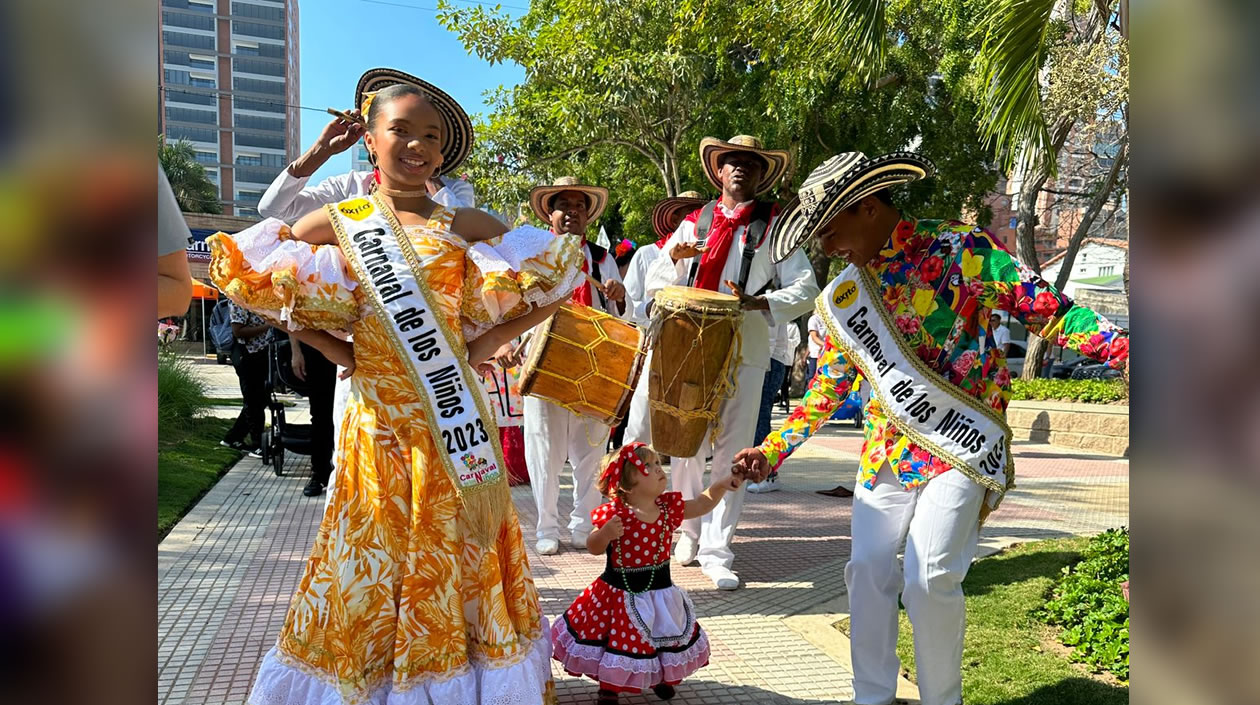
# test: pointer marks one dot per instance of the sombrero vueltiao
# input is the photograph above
(835, 185)
(712, 149)
(540, 198)
(457, 129)
(668, 212)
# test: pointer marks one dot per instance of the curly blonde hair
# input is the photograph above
(625, 479)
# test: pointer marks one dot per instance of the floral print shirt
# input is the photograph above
(940, 281)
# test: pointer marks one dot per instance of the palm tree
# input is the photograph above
(194, 191)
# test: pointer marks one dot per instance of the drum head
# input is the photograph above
(687, 297)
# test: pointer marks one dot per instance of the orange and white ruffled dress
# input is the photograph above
(398, 604)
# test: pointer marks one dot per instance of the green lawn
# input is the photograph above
(190, 461)
(1010, 657)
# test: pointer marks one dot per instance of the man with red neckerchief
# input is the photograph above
(553, 434)
(722, 247)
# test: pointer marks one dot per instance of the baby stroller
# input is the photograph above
(282, 436)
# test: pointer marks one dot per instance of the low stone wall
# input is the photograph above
(1099, 428)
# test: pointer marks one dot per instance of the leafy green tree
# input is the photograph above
(194, 191)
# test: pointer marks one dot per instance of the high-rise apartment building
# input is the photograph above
(229, 85)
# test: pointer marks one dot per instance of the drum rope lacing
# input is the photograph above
(588, 347)
(702, 317)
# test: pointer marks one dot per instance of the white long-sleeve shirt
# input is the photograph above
(794, 298)
(636, 280)
(289, 198)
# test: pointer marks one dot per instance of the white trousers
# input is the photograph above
(716, 530)
(639, 419)
(939, 522)
(554, 434)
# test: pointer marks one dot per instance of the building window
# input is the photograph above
(258, 85)
(1014, 221)
(1107, 271)
(254, 29)
(261, 106)
(256, 175)
(207, 157)
(270, 51)
(205, 7)
(253, 122)
(241, 9)
(192, 134)
(272, 160)
(182, 95)
(213, 175)
(203, 117)
(246, 139)
(185, 58)
(190, 41)
(266, 68)
(179, 19)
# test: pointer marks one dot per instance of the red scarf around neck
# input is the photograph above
(721, 235)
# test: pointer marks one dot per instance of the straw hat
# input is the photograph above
(712, 149)
(835, 185)
(668, 212)
(457, 129)
(540, 197)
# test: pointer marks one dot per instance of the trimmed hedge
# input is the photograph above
(1088, 602)
(1088, 391)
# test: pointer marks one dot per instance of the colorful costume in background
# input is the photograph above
(418, 589)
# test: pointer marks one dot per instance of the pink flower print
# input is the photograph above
(965, 362)
(1003, 376)
(907, 324)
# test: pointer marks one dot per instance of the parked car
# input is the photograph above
(1096, 370)
(1015, 358)
(1064, 370)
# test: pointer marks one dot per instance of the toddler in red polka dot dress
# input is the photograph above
(633, 629)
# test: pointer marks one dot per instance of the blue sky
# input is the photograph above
(335, 50)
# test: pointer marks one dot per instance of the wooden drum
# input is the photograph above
(696, 338)
(586, 361)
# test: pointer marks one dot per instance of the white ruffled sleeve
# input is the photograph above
(293, 283)
(510, 275)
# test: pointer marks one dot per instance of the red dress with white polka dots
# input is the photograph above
(632, 628)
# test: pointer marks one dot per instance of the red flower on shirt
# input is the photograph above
(1046, 304)
(932, 268)
(907, 324)
(1119, 350)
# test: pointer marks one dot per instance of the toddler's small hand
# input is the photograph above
(613, 528)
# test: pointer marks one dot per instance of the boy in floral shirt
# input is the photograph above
(939, 281)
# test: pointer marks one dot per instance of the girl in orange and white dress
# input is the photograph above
(413, 592)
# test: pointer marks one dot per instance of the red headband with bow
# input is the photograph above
(628, 453)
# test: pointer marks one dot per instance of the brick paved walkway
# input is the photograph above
(227, 571)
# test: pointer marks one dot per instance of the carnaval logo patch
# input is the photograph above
(845, 294)
(356, 209)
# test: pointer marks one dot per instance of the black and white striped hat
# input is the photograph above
(835, 185)
(457, 132)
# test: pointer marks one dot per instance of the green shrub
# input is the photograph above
(1089, 604)
(181, 394)
(1088, 391)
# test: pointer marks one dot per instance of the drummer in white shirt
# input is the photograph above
(731, 262)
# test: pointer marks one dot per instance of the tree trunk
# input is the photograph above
(1037, 346)
(1026, 232)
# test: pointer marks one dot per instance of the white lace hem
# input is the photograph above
(522, 683)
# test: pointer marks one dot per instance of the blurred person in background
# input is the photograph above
(250, 358)
(174, 279)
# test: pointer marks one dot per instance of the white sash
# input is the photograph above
(937, 416)
(386, 265)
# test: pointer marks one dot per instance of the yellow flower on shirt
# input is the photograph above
(924, 302)
(971, 264)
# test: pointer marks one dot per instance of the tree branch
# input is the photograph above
(1091, 213)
